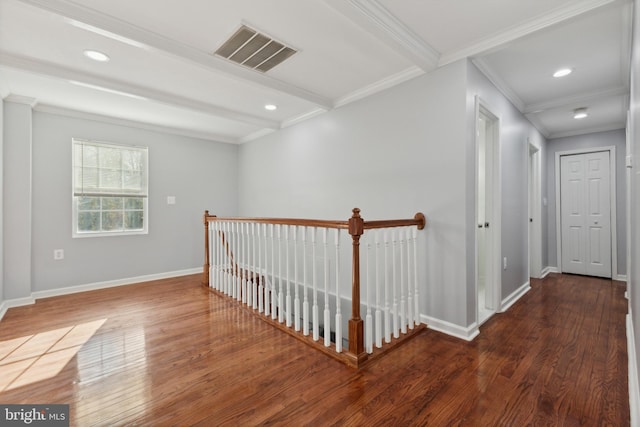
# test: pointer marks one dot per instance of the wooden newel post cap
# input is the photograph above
(423, 221)
(356, 223)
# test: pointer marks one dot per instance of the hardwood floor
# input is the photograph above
(171, 353)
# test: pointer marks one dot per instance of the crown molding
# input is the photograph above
(380, 85)
(373, 17)
(585, 131)
(72, 75)
(52, 109)
(533, 119)
(494, 78)
(520, 30)
(132, 33)
(255, 135)
(302, 117)
(20, 99)
(576, 99)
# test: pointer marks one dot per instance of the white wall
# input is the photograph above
(516, 132)
(393, 154)
(616, 138)
(200, 174)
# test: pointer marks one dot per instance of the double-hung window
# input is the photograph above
(109, 188)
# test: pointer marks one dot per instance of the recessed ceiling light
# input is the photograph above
(580, 113)
(562, 72)
(271, 107)
(96, 56)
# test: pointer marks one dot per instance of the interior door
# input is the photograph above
(585, 211)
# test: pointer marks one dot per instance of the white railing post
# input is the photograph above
(378, 311)
(368, 321)
(296, 299)
(274, 294)
(288, 300)
(280, 293)
(327, 312)
(314, 309)
(415, 276)
(410, 316)
(395, 287)
(387, 317)
(338, 310)
(305, 302)
(403, 307)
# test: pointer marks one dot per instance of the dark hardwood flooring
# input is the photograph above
(170, 353)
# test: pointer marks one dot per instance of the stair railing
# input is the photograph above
(245, 257)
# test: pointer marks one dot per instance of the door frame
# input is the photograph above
(494, 275)
(612, 198)
(534, 209)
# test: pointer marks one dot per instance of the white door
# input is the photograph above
(486, 281)
(585, 212)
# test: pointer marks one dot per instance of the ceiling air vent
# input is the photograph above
(254, 50)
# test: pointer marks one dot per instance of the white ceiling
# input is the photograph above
(162, 71)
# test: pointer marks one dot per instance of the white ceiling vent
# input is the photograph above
(254, 50)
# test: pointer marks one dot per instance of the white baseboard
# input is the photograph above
(547, 270)
(467, 334)
(621, 277)
(634, 389)
(16, 302)
(515, 296)
(92, 287)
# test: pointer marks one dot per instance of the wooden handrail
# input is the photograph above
(356, 226)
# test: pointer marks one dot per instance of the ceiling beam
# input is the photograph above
(374, 18)
(71, 75)
(519, 30)
(583, 98)
(127, 31)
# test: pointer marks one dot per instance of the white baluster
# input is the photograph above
(212, 254)
(396, 327)
(305, 302)
(314, 310)
(387, 317)
(236, 274)
(280, 276)
(368, 322)
(288, 309)
(416, 301)
(410, 317)
(296, 299)
(338, 301)
(327, 313)
(378, 311)
(274, 296)
(218, 283)
(403, 310)
(252, 291)
(261, 286)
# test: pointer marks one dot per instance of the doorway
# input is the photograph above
(585, 212)
(487, 213)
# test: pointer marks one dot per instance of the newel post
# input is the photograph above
(205, 268)
(356, 325)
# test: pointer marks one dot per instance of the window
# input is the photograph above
(109, 189)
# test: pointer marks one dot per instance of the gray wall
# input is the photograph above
(17, 201)
(633, 280)
(1, 199)
(516, 132)
(200, 174)
(393, 154)
(616, 138)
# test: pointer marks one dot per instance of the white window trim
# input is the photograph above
(74, 204)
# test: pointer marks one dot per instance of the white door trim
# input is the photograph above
(612, 172)
(535, 229)
(494, 277)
